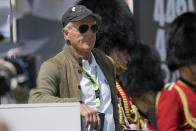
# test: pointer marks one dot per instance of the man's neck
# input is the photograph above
(85, 55)
(88, 57)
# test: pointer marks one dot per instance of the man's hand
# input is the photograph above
(134, 126)
(91, 116)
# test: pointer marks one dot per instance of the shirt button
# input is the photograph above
(106, 81)
(80, 59)
(79, 87)
(79, 71)
(80, 63)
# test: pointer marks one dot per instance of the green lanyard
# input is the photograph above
(95, 84)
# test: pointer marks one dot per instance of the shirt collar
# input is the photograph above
(68, 51)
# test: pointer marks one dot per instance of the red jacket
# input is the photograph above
(127, 105)
(170, 111)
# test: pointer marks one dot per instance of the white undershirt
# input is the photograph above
(88, 94)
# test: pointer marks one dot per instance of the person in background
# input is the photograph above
(176, 108)
(143, 79)
(80, 73)
(115, 37)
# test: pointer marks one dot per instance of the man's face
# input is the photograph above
(193, 68)
(145, 101)
(82, 42)
(121, 57)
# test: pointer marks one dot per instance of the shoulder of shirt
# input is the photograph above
(166, 93)
(169, 86)
(58, 58)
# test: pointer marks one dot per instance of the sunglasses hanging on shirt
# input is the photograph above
(84, 28)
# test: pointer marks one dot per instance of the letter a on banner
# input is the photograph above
(159, 12)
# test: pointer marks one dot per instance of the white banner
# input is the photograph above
(41, 117)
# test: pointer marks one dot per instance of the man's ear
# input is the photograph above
(65, 33)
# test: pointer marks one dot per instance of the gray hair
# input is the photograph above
(67, 27)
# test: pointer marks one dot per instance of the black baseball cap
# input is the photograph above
(76, 13)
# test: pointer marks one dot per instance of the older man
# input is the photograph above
(80, 73)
